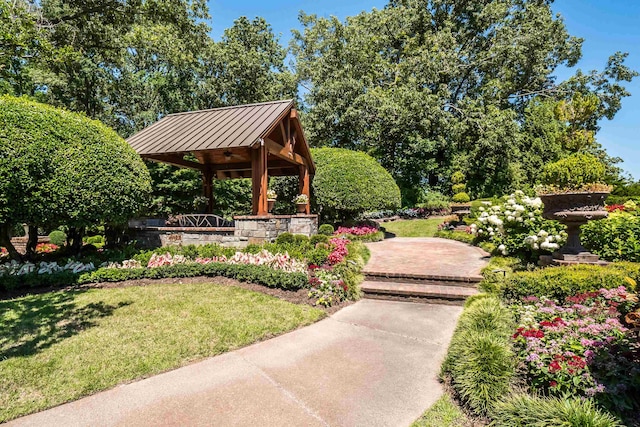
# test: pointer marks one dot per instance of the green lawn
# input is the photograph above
(414, 227)
(59, 346)
(443, 413)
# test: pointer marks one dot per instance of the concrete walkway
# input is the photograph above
(374, 363)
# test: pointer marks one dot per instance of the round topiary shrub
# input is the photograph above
(57, 237)
(326, 229)
(458, 188)
(461, 198)
(59, 167)
(348, 183)
(574, 172)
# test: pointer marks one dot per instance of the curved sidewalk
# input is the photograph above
(373, 363)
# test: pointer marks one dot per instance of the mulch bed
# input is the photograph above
(296, 297)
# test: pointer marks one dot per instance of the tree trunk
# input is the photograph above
(5, 242)
(32, 241)
(74, 239)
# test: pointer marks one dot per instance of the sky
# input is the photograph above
(606, 27)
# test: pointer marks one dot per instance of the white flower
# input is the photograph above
(501, 248)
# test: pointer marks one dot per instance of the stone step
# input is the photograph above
(426, 279)
(419, 292)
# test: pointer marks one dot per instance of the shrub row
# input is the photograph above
(259, 274)
(561, 282)
(460, 236)
(480, 361)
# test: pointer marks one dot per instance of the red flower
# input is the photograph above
(554, 367)
(553, 384)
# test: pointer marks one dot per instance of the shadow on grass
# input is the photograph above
(31, 324)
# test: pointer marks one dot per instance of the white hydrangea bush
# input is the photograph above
(515, 227)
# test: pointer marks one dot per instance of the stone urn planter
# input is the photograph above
(270, 204)
(574, 210)
(301, 207)
(461, 210)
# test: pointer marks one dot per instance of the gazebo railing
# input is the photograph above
(203, 220)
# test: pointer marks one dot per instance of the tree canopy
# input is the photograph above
(429, 87)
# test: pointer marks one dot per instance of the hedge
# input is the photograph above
(258, 274)
(348, 183)
(560, 282)
(480, 361)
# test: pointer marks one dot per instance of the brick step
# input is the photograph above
(425, 279)
(420, 292)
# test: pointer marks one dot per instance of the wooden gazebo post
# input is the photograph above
(207, 186)
(305, 187)
(259, 180)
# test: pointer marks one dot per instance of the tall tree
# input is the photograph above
(432, 86)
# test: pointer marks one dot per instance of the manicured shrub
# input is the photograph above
(558, 283)
(245, 273)
(461, 198)
(574, 172)
(318, 238)
(527, 410)
(460, 236)
(97, 241)
(326, 229)
(285, 238)
(58, 237)
(62, 168)
(348, 183)
(616, 238)
(480, 360)
(458, 188)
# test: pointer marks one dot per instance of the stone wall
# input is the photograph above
(20, 243)
(153, 237)
(258, 229)
(248, 229)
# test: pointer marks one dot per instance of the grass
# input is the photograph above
(60, 346)
(443, 413)
(413, 228)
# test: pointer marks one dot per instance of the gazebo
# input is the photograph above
(245, 141)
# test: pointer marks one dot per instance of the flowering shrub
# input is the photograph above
(46, 248)
(327, 287)
(516, 227)
(339, 250)
(581, 347)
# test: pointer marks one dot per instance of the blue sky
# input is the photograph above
(607, 26)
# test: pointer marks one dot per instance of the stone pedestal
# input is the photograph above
(266, 228)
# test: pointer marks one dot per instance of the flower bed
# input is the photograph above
(365, 233)
(341, 259)
(581, 348)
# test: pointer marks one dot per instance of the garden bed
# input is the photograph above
(551, 345)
